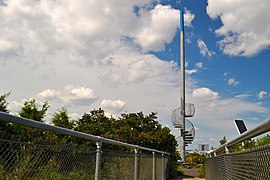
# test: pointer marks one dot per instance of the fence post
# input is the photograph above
(227, 149)
(163, 167)
(154, 166)
(98, 160)
(136, 165)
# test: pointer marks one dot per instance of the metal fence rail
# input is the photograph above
(244, 165)
(35, 158)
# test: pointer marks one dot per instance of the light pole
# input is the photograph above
(182, 94)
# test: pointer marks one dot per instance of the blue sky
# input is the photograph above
(123, 56)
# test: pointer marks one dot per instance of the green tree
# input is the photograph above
(62, 119)
(3, 107)
(31, 111)
(223, 141)
(4, 103)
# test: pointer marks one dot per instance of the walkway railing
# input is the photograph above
(245, 165)
(27, 158)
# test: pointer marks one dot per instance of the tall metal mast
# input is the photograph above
(182, 94)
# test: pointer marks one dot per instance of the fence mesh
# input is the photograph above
(34, 158)
(246, 165)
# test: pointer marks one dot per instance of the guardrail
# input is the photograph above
(247, 164)
(99, 140)
(262, 128)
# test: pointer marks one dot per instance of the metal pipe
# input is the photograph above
(98, 160)
(163, 168)
(182, 77)
(154, 166)
(136, 165)
(262, 128)
(35, 124)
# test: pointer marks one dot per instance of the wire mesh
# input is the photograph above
(117, 165)
(246, 165)
(21, 158)
(30, 157)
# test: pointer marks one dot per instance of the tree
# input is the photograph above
(223, 141)
(4, 103)
(30, 110)
(3, 107)
(62, 119)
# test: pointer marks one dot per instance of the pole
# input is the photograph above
(136, 165)
(154, 166)
(98, 160)
(182, 77)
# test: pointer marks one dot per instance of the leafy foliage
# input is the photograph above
(4, 103)
(263, 141)
(3, 108)
(30, 110)
(62, 119)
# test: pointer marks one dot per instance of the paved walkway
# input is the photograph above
(190, 174)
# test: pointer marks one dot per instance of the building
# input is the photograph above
(203, 147)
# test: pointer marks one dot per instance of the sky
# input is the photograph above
(123, 56)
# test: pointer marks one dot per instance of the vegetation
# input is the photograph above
(133, 128)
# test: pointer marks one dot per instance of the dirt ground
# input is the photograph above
(190, 174)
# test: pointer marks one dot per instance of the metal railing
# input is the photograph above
(245, 165)
(21, 158)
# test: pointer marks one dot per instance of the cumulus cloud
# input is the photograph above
(262, 95)
(204, 93)
(217, 112)
(70, 95)
(141, 68)
(204, 49)
(233, 81)
(158, 27)
(245, 29)
(113, 106)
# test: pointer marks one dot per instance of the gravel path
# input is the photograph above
(190, 174)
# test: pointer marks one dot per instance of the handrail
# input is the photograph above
(35, 124)
(262, 128)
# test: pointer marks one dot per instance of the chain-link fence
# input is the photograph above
(24, 158)
(32, 157)
(246, 165)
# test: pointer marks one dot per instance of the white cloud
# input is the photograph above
(49, 94)
(188, 17)
(233, 81)
(216, 113)
(204, 93)
(79, 95)
(141, 68)
(70, 95)
(245, 29)
(204, 49)
(262, 94)
(243, 96)
(191, 71)
(199, 65)
(113, 106)
(158, 27)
